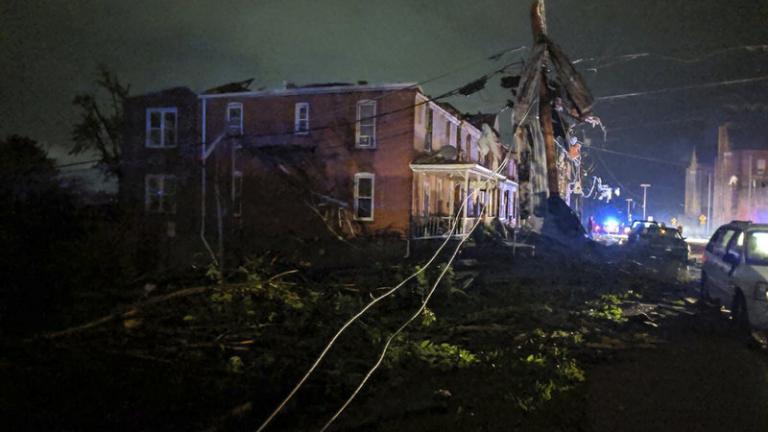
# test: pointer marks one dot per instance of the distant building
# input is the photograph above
(741, 179)
(698, 185)
(735, 187)
(232, 168)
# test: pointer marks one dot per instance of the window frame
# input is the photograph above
(148, 143)
(297, 118)
(429, 126)
(357, 197)
(359, 124)
(230, 107)
(720, 247)
(747, 241)
(162, 180)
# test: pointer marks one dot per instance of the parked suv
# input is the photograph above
(735, 272)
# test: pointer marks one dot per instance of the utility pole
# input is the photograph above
(629, 209)
(539, 26)
(645, 187)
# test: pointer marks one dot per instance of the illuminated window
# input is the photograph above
(364, 206)
(161, 127)
(365, 135)
(235, 118)
(237, 193)
(761, 166)
(301, 119)
(160, 193)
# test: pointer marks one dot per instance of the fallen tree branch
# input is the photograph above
(129, 311)
(279, 275)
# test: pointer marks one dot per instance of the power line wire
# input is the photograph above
(635, 156)
(683, 88)
(620, 59)
(449, 235)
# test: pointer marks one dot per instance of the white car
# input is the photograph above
(735, 272)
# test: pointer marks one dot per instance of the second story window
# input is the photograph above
(448, 127)
(235, 118)
(468, 148)
(365, 136)
(160, 193)
(161, 127)
(428, 133)
(301, 119)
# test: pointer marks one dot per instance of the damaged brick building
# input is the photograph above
(231, 170)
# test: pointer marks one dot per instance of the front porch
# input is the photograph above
(448, 200)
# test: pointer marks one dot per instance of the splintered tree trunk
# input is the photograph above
(539, 27)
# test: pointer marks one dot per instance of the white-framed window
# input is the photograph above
(468, 148)
(301, 119)
(160, 193)
(430, 120)
(235, 118)
(161, 127)
(505, 209)
(365, 132)
(364, 188)
(237, 193)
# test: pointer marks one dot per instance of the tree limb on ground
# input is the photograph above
(129, 311)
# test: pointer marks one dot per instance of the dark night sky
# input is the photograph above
(50, 50)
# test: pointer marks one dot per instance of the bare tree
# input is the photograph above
(99, 129)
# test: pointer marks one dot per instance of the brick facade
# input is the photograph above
(251, 169)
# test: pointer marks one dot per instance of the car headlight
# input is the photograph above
(761, 291)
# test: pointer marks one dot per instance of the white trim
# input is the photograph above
(316, 90)
(297, 118)
(357, 197)
(475, 132)
(468, 167)
(148, 127)
(358, 121)
(448, 115)
(231, 106)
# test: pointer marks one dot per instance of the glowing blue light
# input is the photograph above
(611, 225)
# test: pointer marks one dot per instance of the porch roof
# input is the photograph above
(457, 168)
